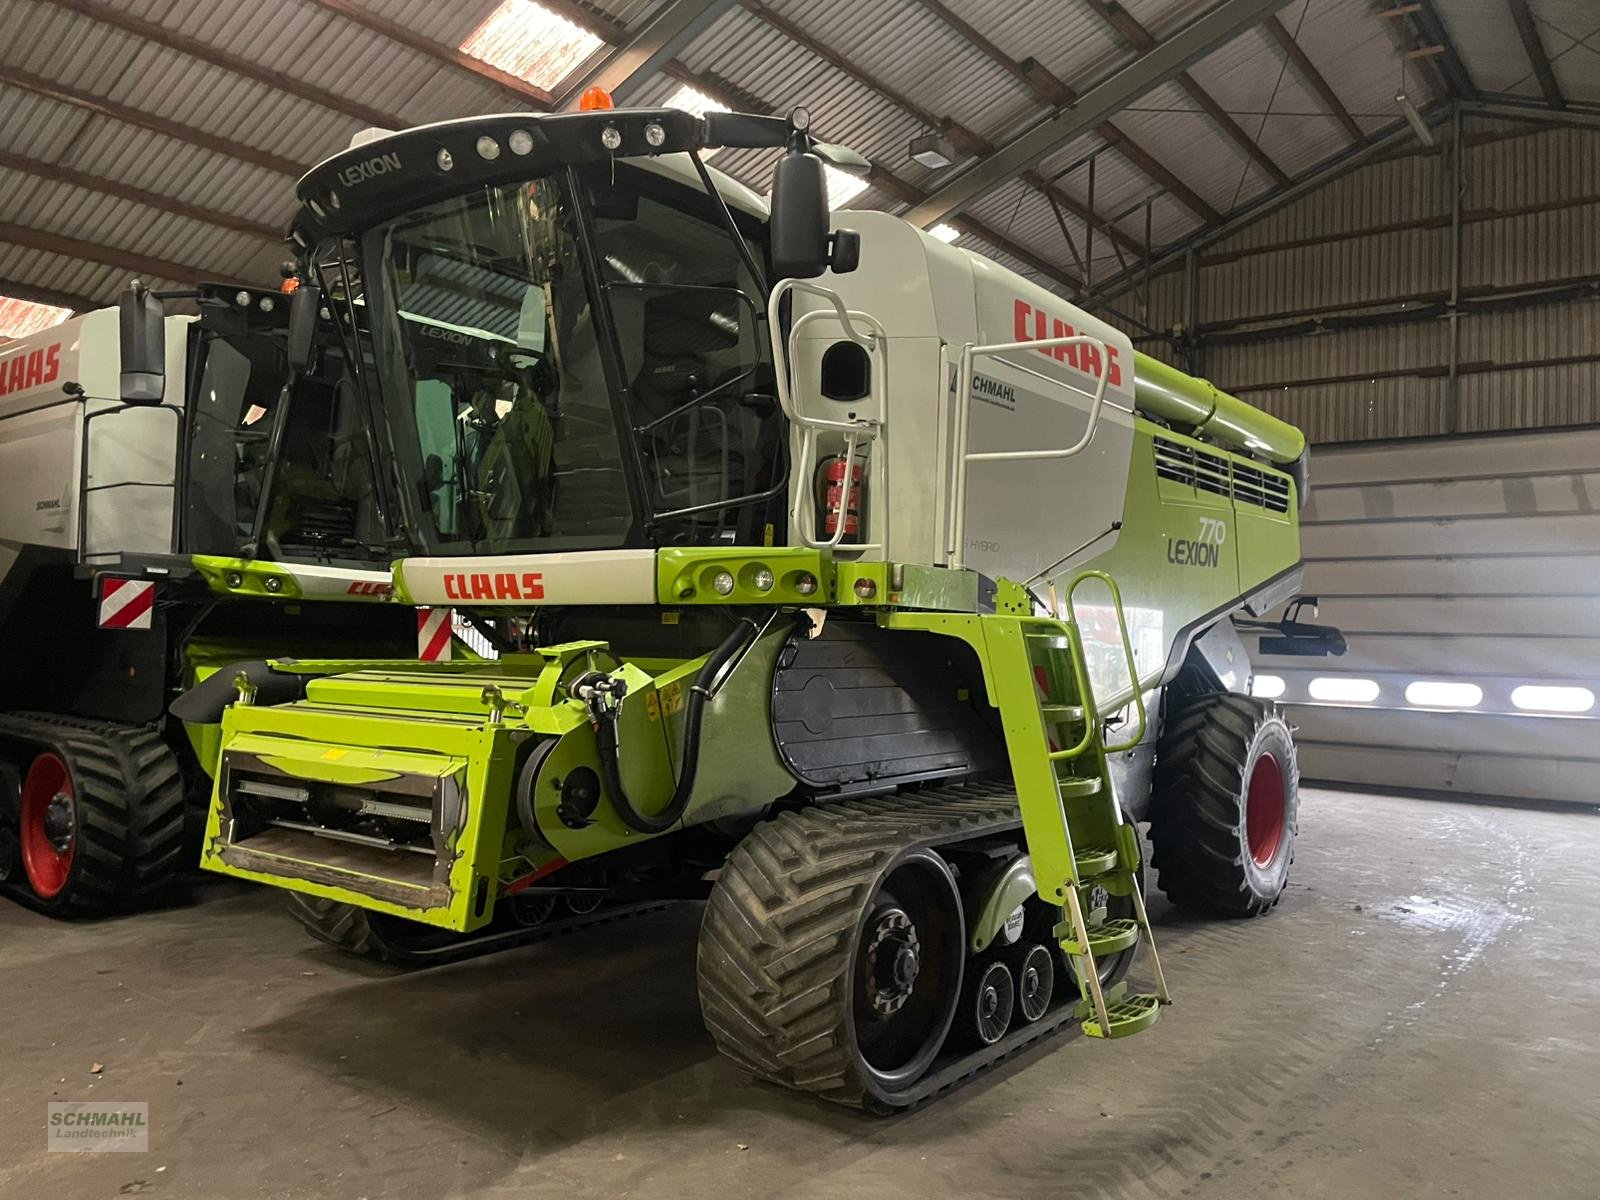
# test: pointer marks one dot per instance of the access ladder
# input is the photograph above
(1077, 835)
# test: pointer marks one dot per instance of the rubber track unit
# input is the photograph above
(350, 928)
(129, 809)
(778, 939)
(1196, 806)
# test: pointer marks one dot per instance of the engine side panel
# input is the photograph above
(858, 709)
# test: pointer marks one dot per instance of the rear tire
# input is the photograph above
(1225, 808)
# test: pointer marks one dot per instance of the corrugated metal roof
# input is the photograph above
(904, 67)
(1487, 38)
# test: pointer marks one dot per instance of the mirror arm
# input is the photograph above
(728, 222)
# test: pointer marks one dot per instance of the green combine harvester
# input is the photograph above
(160, 521)
(839, 576)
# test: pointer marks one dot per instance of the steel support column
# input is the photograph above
(1457, 185)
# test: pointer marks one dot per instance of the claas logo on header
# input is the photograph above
(504, 586)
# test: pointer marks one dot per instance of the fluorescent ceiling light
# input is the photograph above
(1414, 118)
(529, 41)
(22, 318)
(932, 150)
(945, 233)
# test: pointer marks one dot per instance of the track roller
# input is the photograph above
(1034, 965)
(988, 999)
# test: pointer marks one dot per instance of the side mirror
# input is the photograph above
(304, 307)
(799, 223)
(802, 247)
(846, 256)
(143, 345)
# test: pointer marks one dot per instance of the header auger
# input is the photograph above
(840, 577)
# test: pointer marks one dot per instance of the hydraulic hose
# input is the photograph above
(604, 697)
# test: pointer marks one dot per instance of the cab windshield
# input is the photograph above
(567, 365)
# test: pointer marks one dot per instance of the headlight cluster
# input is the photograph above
(749, 582)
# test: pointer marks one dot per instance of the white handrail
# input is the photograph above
(963, 459)
(856, 430)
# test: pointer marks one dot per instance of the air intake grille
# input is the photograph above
(1251, 486)
(1187, 464)
(1209, 472)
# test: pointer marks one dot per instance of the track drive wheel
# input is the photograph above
(832, 963)
(1225, 811)
(100, 814)
(392, 940)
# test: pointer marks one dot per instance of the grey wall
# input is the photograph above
(1472, 560)
(1379, 240)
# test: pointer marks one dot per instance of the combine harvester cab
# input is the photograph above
(843, 578)
(163, 516)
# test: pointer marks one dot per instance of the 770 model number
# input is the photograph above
(1202, 551)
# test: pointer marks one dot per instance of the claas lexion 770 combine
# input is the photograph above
(841, 577)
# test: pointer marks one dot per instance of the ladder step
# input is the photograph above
(1073, 786)
(1062, 714)
(1127, 1016)
(1108, 937)
(1094, 860)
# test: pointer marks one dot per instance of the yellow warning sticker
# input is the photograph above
(664, 701)
(334, 755)
(672, 698)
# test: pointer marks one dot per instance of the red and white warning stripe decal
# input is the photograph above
(433, 634)
(126, 603)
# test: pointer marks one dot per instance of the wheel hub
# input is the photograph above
(1265, 810)
(48, 826)
(58, 822)
(1030, 983)
(893, 961)
(989, 1003)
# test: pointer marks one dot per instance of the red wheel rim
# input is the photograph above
(46, 866)
(1264, 810)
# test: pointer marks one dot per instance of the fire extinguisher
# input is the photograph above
(831, 472)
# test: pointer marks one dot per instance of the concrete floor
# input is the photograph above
(1420, 1017)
